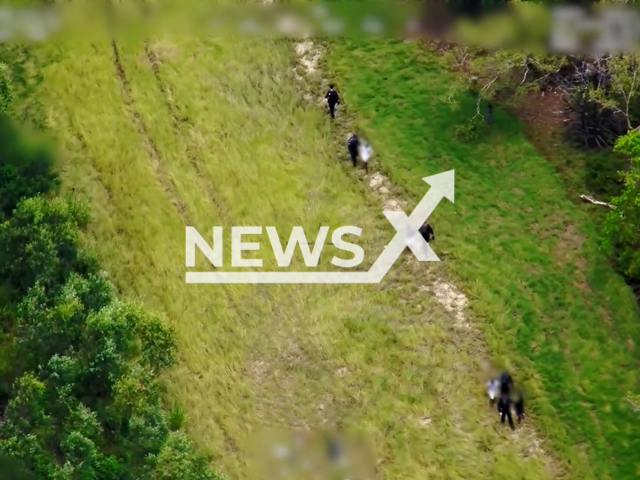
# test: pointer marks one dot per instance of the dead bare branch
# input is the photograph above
(588, 199)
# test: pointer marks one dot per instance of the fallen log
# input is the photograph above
(588, 199)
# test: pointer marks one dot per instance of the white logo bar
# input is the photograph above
(442, 186)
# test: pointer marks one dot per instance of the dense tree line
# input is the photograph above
(79, 392)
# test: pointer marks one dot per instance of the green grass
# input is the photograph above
(224, 138)
(219, 134)
(543, 294)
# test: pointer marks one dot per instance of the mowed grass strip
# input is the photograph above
(545, 296)
(384, 360)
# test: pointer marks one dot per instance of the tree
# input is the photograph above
(61, 421)
(47, 325)
(600, 92)
(26, 164)
(40, 243)
(14, 468)
(44, 417)
(27, 413)
(177, 461)
(117, 336)
(622, 226)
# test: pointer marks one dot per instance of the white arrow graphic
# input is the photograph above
(442, 186)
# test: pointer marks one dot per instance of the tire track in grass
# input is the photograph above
(178, 121)
(451, 298)
(165, 180)
(84, 149)
(105, 190)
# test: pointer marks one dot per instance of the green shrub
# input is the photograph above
(41, 242)
(176, 461)
(176, 417)
(26, 166)
(622, 227)
(469, 132)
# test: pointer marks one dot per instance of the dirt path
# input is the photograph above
(447, 294)
(450, 297)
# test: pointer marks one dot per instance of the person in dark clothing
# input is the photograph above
(499, 386)
(427, 232)
(519, 406)
(508, 397)
(352, 146)
(504, 409)
(488, 116)
(333, 99)
(506, 383)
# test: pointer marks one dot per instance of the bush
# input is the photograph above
(176, 417)
(594, 125)
(26, 165)
(470, 132)
(622, 227)
(41, 242)
(86, 403)
(176, 461)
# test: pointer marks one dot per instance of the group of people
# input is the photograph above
(501, 390)
(355, 146)
(503, 393)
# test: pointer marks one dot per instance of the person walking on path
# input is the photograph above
(504, 409)
(352, 145)
(333, 99)
(426, 230)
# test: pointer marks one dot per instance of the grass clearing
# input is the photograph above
(218, 133)
(527, 256)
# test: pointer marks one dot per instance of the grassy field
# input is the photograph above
(526, 254)
(215, 132)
